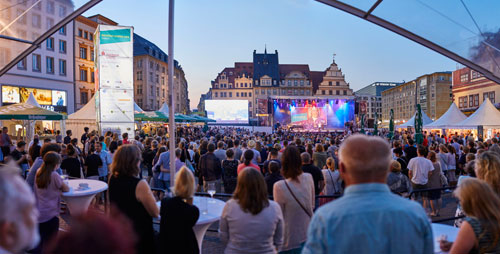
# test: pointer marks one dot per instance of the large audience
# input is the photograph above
(287, 192)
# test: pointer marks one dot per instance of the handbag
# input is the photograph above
(298, 202)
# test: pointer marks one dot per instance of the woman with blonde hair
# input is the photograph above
(179, 215)
(250, 222)
(487, 168)
(132, 196)
(480, 230)
(332, 178)
(397, 181)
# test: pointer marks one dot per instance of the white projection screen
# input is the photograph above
(227, 111)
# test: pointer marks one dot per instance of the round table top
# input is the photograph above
(214, 209)
(95, 186)
(442, 229)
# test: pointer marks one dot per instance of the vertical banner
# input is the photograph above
(262, 112)
(114, 79)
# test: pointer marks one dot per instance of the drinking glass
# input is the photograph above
(211, 190)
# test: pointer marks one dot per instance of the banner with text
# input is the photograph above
(114, 79)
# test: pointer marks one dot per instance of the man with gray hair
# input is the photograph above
(18, 213)
(368, 218)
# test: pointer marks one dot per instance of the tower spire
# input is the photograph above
(265, 48)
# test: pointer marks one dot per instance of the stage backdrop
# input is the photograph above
(330, 114)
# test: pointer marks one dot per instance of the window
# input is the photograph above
(157, 91)
(345, 92)
(249, 104)
(215, 94)
(50, 65)
(330, 83)
(50, 7)
(22, 19)
(62, 67)
(302, 83)
(157, 67)
(323, 92)
(163, 92)
(151, 64)
(139, 63)
(62, 11)
(139, 75)
(163, 69)
(337, 92)
(37, 63)
(22, 64)
(337, 83)
(485, 96)
(157, 79)
(464, 77)
(91, 36)
(139, 102)
(80, 33)
(237, 94)
(50, 23)
(83, 53)
(151, 76)
(84, 97)
(62, 46)
(330, 92)
(492, 97)
(249, 94)
(471, 100)
(295, 83)
(151, 91)
(36, 21)
(83, 75)
(50, 44)
(139, 89)
(85, 35)
(62, 30)
(476, 100)
(92, 57)
(163, 80)
(230, 94)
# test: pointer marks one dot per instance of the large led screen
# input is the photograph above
(227, 111)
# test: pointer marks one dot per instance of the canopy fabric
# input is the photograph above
(164, 109)
(152, 116)
(87, 112)
(30, 110)
(137, 109)
(411, 123)
(452, 116)
(202, 119)
(184, 118)
(487, 115)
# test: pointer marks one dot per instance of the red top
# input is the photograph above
(243, 166)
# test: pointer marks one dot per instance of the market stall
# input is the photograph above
(452, 116)
(411, 123)
(25, 115)
(484, 122)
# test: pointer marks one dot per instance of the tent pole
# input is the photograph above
(171, 120)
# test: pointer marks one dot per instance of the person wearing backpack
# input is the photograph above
(397, 181)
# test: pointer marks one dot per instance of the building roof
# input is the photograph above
(376, 88)
(102, 20)
(316, 78)
(285, 69)
(145, 47)
(243, 68)
(266, 64)
(86, 21)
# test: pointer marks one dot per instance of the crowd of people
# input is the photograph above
(289, 192)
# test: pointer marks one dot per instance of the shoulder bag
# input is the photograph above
(298, 202)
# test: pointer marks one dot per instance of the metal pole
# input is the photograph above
(171, 115)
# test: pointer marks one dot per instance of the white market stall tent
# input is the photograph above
(411, 123)
(84, 117)
(452, 116)
(487, 115)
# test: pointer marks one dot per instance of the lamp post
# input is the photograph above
(171, 111)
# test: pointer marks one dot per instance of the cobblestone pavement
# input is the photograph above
(212, 243)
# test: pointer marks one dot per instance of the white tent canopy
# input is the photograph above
(487, 115)
(87, 112)
(164, 109)
(452, 116)
(410, 123)
(84, 117)
(137, 109)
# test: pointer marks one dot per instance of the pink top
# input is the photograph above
(251, 165)
(49, 199)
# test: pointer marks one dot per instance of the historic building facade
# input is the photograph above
(151, 78)
(265, 78)
(431, 91)
(471, 88)
(84, 29)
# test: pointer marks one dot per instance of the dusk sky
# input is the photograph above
(213, 34)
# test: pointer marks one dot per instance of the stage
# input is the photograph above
(313, 115)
